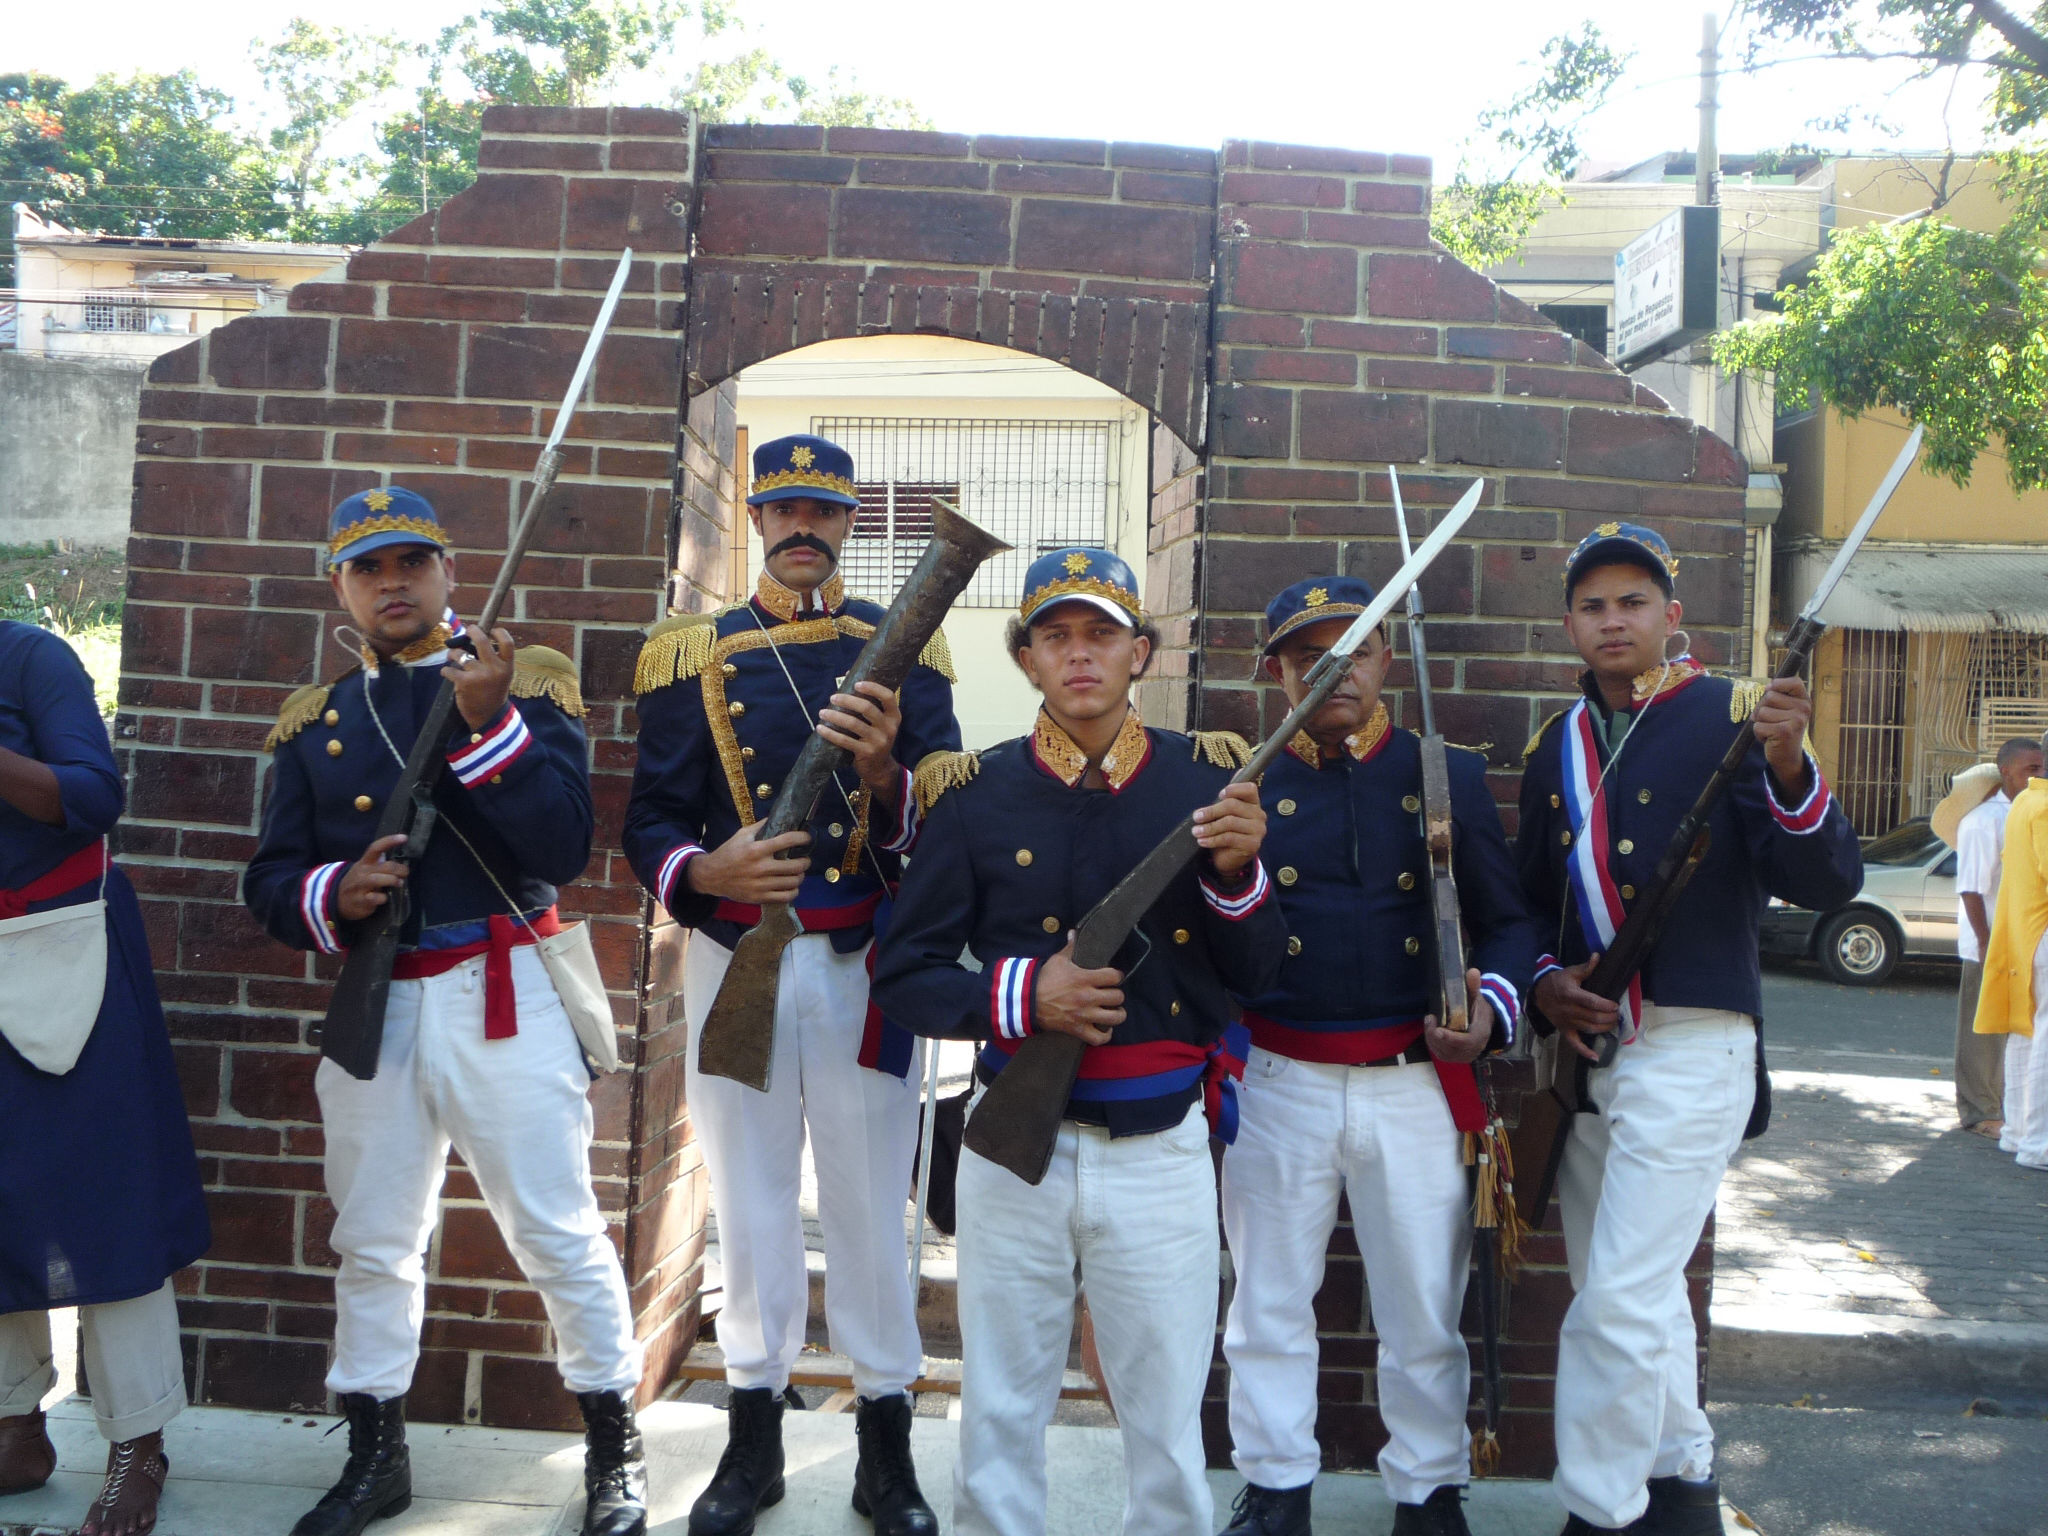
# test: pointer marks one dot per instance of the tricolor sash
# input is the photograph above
(1154, 1070)
(1598, 897)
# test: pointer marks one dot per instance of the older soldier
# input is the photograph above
(478, 1052)
(1604, 787)
(1020, 842)
(727, 701)
(1353, 1087)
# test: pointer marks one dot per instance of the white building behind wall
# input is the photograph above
(1037, 454)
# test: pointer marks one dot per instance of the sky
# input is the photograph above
(1366, 74)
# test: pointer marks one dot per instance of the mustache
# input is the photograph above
(804, 541)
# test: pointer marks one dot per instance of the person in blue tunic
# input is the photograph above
(1020, 842)
(478, 1052)
(1604, 787)
(1353, 1088)
(100, 1199)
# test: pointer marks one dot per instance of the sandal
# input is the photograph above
(1990, 1130)
(136, 1470)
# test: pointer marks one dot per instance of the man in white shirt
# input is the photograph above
(1980, 840)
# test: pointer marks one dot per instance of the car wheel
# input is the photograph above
(1858, 947)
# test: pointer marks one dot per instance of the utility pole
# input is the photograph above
(1707, 164)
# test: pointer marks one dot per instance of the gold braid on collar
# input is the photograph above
(1361, 743)
(787, 604)
(1057, 751)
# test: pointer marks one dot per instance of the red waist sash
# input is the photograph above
(83, 866)
(501, 1003)
(1362, 1048)
(810, 919)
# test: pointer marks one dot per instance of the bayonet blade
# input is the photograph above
(1854, 542)
(589, 357)
(1340, 654)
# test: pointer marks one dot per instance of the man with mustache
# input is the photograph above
(478, 1052)
(1353, 1087)
(1020, 842)
(726, 702)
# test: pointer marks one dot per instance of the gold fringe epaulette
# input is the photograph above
(1225, 749)
(300, 711)
(1535, 741)
(938, 656)
(541, 672)
(677, 649)
(1742, 700)
(939, 772)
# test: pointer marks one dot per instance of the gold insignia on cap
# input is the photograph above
(802, 457)
(1608, 530)
(1317, 596)
(377, 501)
(1076, 563)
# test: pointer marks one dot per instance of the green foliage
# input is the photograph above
(320, 76)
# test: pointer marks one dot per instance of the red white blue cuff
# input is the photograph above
(671, 873)
(1240, 904)
(907, 819)
(1809, 813)
(1009, 997)
(492, 751)
(316, 906)
(1545, 964)
(1507, 1008)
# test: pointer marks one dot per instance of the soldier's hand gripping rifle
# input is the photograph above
(1018, 1119)
(738, 1037)
(1638, 934)
(353, 1032)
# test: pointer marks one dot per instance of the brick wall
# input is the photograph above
(1278, 310)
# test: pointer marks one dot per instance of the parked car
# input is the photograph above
(1907, 907)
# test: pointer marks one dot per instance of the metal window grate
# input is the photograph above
(117, 312)
(1037, 485)
(1871, 754)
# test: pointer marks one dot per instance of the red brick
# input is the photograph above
(208, 500)
(1286, 191)
(1234, 327)
(377, 265)
(1510, 345)
(1113, 240)
(1157, 187)
(396, 357)
(253, 646)
(1368, 229)
(197, 405)
(262, 1373)
(180, 587)
(990, 146)
(296, 501)
(651, 155)
(162, 442)
(745, 165)
(964, 175)
(523, 362)
(922, 226)
(1498, 436)
(475, 509)
(504, 210)
(640, 370)
(1312, 157)
(1428, 287)
(409, 302)
(763, 136)
(1629, 445)
(1401, 340)
(1266, 484)
(1405, 373)
(446, 416)
(251, 1228)
(471, 1247)
(260, 443)
(763, 220)
(1344, 425)
(1251, 422)
(644, 465)
(1719, 463)
(521, 457)
(490, 271)
(611, 214)
(851, 140)
(179, 367)
(1295, 279)
(1389, 197)
(273, 1085)
(270, 352)
(1568, 384)
(510, 118)
(540, 155)
(332, 299)
(1284, 364)
(316, 411)
(1409, 165)
(1057, 180)
(390, 448)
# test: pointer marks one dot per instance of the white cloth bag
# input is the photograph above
(571, 962)
(53, 973)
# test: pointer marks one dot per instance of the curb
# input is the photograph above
(1867, 1359)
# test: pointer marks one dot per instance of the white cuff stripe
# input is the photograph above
(1236, 907)
(671, 871)
(504, 742)
(313, 898)
(1013, 998)
(1506, 1007)
(906, 816)
(1808, 815)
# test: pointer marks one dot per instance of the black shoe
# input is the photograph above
(614, 1467)
(884, 1479)
(1270, 1511)
(1680, 1508)
(1441, 1514)
(1579, 1525)
(749, 1475)
(376, 1480)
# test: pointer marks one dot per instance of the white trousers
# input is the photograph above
(131, 1358)
(1636, 1187)
(863, 1126)
(518, 1110)
(1307, 1133)
(2026, 1079)
(1134, 1220)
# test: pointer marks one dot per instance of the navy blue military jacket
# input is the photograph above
(1017, 850)
(1760, 845)
(1345, 843)
(518, 790)
(721, 727)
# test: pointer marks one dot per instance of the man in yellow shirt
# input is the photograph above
(2014, 999)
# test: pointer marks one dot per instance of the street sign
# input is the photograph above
(1666, 286)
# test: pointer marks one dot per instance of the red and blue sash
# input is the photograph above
(1598, 896)
(1155, 1069)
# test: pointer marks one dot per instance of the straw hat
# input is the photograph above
(1972, 787)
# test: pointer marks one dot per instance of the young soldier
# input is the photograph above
(1352, 1087)
(1019, 843)
(477, 1052)
(1604, 787)
(727, 701)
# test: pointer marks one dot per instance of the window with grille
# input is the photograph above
(1870, 765)
(117, 312)
(1036, 485)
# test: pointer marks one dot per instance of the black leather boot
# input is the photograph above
(749, 1475)
(884, 1479)
(614, 1467)
(1441, 1514)
(376, 1480)
(1270, 1511)
(1680, 1508)
(1579, 1525)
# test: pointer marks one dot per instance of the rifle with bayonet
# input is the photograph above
(1018, 1119)
(353, 1033)
(1637, 936)
(738, 1037)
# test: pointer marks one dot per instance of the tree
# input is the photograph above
(321, 77)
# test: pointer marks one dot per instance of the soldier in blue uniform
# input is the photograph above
(1604, 787)
(1020, 841)
(1353, 1087)
(727, 701)
(478, 1051)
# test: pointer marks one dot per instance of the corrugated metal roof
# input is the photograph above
(1965, 588)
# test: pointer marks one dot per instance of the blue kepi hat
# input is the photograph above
(803, 465)
(1311, 601)
(379, 517)
(1080, 574)
(1623, 544)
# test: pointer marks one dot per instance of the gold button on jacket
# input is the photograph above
(1024, 857)
(735, 709)
(1181, 935)
(1287, 875)
(1406, 880)
(1285, 807)
(1412, 945)
(364, 802)
(332, 717)
(1411, 804)
(832, 875)
(334, 747)
(1293, 945)
(1626, 845)
(1051, 925)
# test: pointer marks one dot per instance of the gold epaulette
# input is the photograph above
(677, 648)
(1225, 749)
(300, 711)
(1742, 701)
(939, 772)
(541, 672)
(938, 656)
(1534, 741)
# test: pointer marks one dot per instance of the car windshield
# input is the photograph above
(1911, 843)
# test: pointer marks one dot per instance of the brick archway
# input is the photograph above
(1279, 312)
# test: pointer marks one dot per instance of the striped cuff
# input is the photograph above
(1009, 997)
(1507, 1009)
(1242, 904)
(316, 906)
(907, 819)
(1545, 964)
(489, 753)
(1809, 813)
(671, 873)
